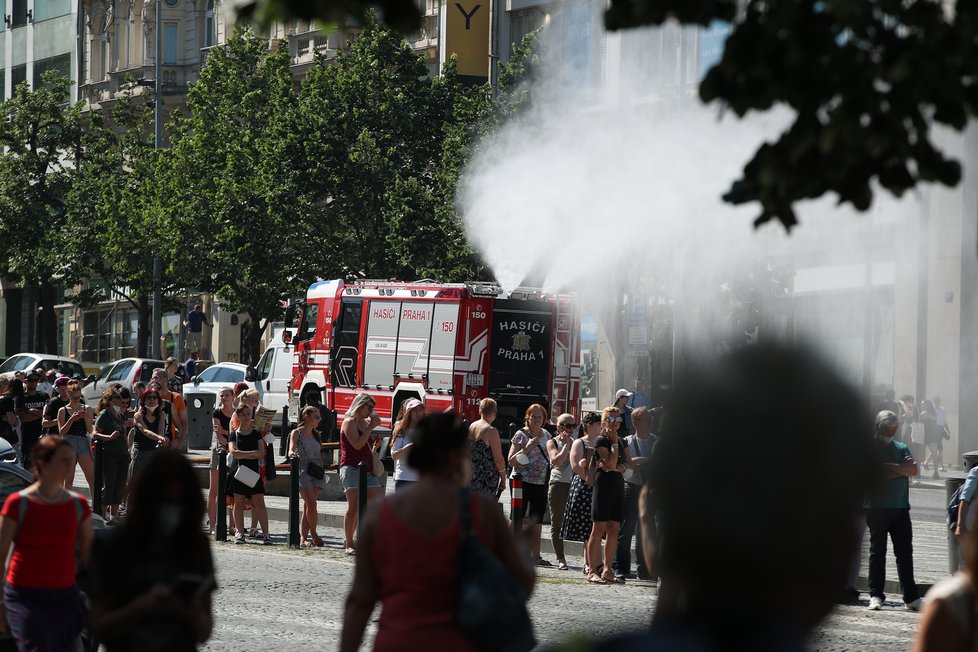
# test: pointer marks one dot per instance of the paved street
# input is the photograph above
(276, 598)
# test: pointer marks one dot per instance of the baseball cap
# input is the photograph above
(61, 381)
(411, 404)
(622, 392)
(52, 372)
(33, 374)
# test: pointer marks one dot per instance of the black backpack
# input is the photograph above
(952, 508)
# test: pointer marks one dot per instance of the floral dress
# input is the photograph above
(577, 514)
(485, 477)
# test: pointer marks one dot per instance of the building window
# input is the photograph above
(3, 25)
(170, 43)
(19, 14)
(210, 25)
(18, 74)
(46, 9)
(60, 63)
(3, 88)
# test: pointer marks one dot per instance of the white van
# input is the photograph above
(272, 375)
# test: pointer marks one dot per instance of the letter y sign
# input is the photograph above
(468, 17)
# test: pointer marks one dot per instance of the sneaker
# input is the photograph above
(915, 605)
(619, 579)
(875, 604)
(561, 565)
(266, 541)
(239, 539)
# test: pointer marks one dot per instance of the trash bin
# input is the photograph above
(970, 460)
(200, 428)
(951, 484)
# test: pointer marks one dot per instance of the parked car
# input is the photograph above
(125, 372)
(273, 375)
(216, 376)
(27, 361)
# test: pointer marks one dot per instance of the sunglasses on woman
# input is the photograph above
(614, 419)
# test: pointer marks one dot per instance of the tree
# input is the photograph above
(238, 203)
(117, 224)
(867, 80)
(41, 135)
(375, 129)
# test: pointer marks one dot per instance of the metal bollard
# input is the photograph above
(516, 509)
(294, 534)
(361, 495)
(950, 486)
(97, 480)
(221, 529)
(284, 443)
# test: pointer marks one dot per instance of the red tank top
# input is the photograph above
(350, 456)
(419, 584)
(44, 550)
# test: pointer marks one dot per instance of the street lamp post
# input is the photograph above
(158, 119)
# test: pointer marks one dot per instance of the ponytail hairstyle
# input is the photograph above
(586, 420)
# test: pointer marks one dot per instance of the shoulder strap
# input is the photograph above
(465, 511)
(21, 511)
(79, 509)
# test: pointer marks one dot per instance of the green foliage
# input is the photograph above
(401, 15)
(237, 204)
(867, 80)
(41, 135)
(375, 130)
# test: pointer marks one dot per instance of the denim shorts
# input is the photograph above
(81, 445)
(350, 477)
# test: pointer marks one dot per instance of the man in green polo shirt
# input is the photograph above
(888, 514)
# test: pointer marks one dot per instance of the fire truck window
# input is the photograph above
(345, 352)
(412, 340)
(310, 317)
(381, 344)
(441, 362)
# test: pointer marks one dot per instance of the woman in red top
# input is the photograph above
(44, 609)
(357, 444)
(408, 554)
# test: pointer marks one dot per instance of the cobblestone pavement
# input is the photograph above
(276, 599)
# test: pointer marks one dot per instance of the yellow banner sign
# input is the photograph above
(467, 36)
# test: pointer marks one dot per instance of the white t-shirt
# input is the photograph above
(401, 469)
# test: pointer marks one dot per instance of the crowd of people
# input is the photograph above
(605, 477)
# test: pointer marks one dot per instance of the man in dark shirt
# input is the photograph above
(58, 401)
(195, 322)
(31, 412)
(190, 366)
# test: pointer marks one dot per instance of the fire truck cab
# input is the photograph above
(450, 345)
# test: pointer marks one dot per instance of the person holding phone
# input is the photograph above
(75, 422)
(528, 457)
(608, 499)
(152, 578)
(357, 441)
(110, 430)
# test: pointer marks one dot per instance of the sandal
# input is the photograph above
(586, 570)
(608, 577)
(561, 565)
(317, 541)
(350, 551)
(306, 544)
(594, 578)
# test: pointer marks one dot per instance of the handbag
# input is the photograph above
(246, 476)
(491, 604)
(315, 471)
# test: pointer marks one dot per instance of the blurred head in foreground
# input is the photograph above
(763, 463)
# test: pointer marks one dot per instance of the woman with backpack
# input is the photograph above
(42, 606)
(305, 443)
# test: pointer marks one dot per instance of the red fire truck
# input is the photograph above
(450, 345)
